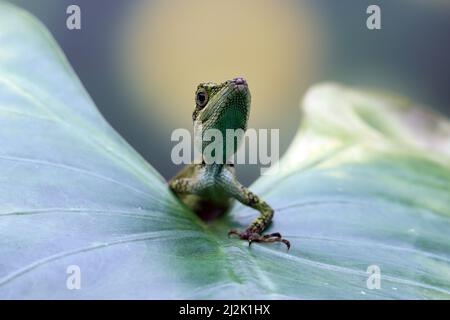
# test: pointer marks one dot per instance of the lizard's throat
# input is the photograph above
(218, 141)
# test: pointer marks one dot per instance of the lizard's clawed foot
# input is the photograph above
(256, 237)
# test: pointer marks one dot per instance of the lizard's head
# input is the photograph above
(222, 106)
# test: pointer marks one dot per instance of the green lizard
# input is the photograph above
(212, 186)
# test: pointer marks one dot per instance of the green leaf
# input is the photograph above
(365, 182)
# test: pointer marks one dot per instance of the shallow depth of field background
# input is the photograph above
(141, 60)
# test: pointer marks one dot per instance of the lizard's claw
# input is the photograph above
(256, 237)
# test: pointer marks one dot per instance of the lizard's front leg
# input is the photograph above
(253, 233)
(184, 186)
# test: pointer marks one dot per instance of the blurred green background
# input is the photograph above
(141, 60)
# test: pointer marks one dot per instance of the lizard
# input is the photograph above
(213, 186)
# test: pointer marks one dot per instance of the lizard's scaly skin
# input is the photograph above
(213, 186)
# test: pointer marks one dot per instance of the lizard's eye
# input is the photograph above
(201, 98)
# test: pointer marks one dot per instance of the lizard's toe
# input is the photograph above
(256, 237)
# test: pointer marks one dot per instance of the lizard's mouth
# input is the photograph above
(239, 83)
(238, 100)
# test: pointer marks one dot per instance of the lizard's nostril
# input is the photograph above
(239, 81)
